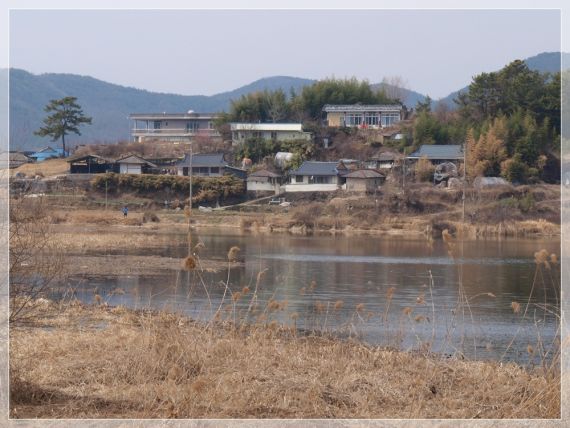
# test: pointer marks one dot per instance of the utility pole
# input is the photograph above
(106, 183)
(190, 200)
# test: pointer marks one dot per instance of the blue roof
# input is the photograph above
(439, 152)
(203, 159)
(318, 168)
(46, 153)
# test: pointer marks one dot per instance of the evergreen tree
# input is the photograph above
(65, 117)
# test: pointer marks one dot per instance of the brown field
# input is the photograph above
(47, 168)
(97, 362)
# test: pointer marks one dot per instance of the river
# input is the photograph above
(404, 293)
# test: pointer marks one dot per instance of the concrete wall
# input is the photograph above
(129, 168)
(240, 136)
(311, 187)
(335, 118)
(362, 184)
(259, 186)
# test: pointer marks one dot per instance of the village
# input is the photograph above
(275, 174)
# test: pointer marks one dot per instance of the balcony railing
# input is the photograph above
(174, 132)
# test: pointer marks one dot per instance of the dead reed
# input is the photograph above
(160, 365)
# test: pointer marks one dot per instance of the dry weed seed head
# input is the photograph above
(189, 263)
(232, 254)
(516, 307)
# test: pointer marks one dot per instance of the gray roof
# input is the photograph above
(204, 159)
(438, 152)
(319, 168)
(264, 173)
(364, 173)
(134, 159)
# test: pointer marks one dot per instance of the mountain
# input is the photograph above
(407, 96)
(546, 62)
(108, 104)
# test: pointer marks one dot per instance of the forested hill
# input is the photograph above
(108, 104)
(546, 62)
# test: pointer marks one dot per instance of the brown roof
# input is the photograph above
(264, 173)
(365, 173)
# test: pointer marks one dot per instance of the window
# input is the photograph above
(200, 170)
(214, 170)
(390, 118)
(298, 179)
(156, 124)
(371, 119)
(319, 180)
(353, 119)
(273, 135)
(192, 126)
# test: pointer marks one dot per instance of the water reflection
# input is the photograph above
(392, 291)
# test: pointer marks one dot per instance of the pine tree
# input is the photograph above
(65, 118)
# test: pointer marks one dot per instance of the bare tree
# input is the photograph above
(395, 87)
(36, 262)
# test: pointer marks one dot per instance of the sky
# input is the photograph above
(205, 52)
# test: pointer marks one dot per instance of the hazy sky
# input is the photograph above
(206, 51)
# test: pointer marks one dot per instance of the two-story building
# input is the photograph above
(177, 127)
(241, 132)
(363, 116)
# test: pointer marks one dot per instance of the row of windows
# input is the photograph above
(190, 126)
(314, 180)
(370, 119)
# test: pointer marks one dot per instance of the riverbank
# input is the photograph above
(101, 362)
(422, 211)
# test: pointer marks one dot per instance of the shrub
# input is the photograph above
(150, 217)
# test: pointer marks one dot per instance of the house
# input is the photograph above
(133, 164)
(46, 153)
(16, 159)
(264, 181)
(313, 176)
(384, 160)
(90, 164)
(177, 127)
(363, 116)
(364, 180)
(241, 132)
(438, 153)
(203, 164)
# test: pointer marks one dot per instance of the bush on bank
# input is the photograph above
(203, 188)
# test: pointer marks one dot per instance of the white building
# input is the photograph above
(176, 127)
(363, 116)
(314, 176)
(242, 132)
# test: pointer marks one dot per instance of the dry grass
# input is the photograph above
(111, 362)
(46, 168)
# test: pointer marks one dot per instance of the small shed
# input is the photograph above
(17, 159)
(264, 181)
(364, 180)
(89, 164)
(384, 160)
(133, 164)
